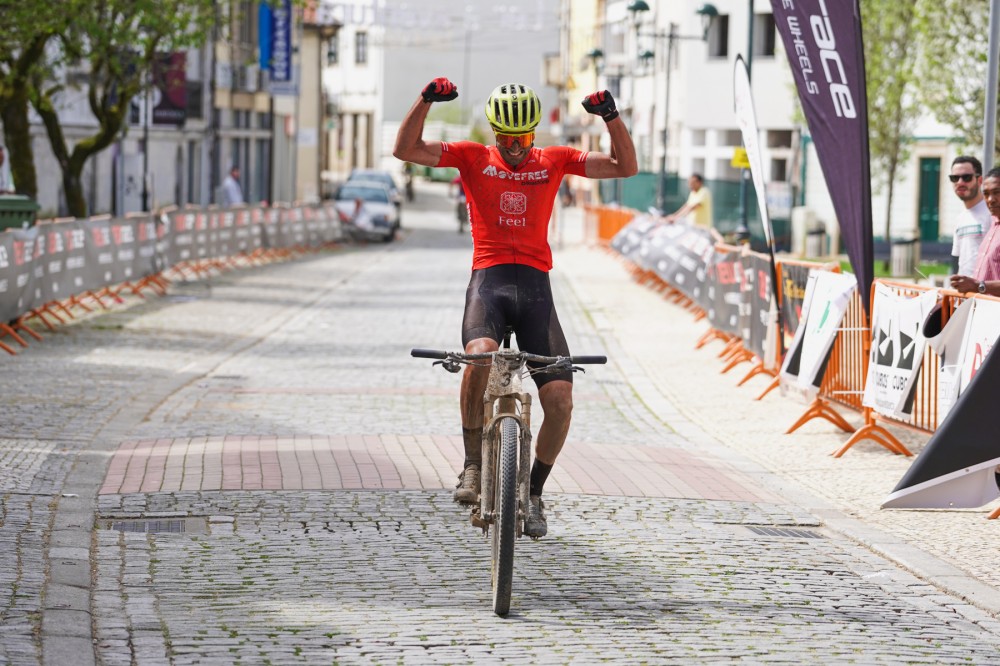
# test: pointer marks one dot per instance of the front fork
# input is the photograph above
(505, 405)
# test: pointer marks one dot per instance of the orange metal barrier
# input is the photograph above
(603, 222)
(847, 368)
(780, 342)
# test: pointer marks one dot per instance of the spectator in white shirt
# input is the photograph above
(6, 182)
(967, 181)
(232, 191)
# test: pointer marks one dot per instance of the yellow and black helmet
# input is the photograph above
(513, 109)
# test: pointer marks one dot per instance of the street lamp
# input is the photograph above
(707, 12)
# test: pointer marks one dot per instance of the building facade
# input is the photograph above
(674, 82)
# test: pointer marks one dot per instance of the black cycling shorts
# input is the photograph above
(521, 297)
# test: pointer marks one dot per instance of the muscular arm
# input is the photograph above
(621, 163)
(410, 144)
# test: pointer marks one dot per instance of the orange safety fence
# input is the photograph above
(846, 372)
(62, 311)
(603, 222)
(783, 285)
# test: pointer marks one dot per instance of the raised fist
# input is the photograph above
(601, 104)
(439, 90)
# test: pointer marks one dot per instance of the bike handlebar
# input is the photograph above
(428, 353)
(444, 355)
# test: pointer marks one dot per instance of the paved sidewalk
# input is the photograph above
(955, 548)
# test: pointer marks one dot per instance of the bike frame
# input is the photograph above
(503, 397)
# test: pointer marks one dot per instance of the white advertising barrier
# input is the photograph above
(897, 350)
(949, 345)
(823, 309)
(980, 336)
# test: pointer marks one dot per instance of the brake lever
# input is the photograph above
(449, 365)
(576, 368)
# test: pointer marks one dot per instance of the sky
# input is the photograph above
(505, 42)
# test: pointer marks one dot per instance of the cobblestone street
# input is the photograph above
(254, 470)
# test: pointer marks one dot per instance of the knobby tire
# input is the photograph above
(505, 525)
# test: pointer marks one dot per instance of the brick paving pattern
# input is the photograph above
(404, 462)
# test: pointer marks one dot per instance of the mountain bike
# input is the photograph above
(503, 497)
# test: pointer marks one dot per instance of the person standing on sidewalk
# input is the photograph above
(698, 205)
(6, 182)
(232, 191)
(511, 189)
(985, 277)
(967, 180)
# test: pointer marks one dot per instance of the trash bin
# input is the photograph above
(17, 211)
(816, 242)
(903, 257)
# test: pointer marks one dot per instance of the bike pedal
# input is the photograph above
(477, 520)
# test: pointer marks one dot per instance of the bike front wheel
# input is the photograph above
(505, 522)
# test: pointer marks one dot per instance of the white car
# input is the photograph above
(368, 208)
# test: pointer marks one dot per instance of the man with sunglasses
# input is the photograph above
(510, 189)
(966, 180)
(985, 275)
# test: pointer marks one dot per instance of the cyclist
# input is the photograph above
(511, 188)
(461, 211)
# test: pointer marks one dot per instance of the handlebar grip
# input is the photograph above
(584, 360)
(429, 353)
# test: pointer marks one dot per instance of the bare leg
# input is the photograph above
(474, 384)
(557, 402)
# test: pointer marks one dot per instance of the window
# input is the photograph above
(779, 170)
(724, 170)
(764, 34)
(732, 137)
(779, 138)
(697, 137)
(361, 48)
(193, 107)
(333, 50)
(245, 18)
(615, 86)
(718, 37)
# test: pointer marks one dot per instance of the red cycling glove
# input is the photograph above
(439, 90)
(601, 104)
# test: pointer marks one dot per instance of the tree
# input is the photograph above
(23, 41)
(114, 43)
(952, 66)
(891, 29)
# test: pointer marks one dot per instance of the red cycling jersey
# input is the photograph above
(509, 208)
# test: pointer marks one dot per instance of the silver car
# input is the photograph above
(383, 177)
(369, 209)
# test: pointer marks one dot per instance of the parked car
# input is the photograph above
(368, 206)
(383, 177)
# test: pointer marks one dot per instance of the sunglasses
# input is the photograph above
(508, 140)
(964, 177)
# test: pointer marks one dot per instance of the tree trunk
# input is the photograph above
(71, 164)
(888, 217)
(14, 113)
(17, 136)
(76, 202)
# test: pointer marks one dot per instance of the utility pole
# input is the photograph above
(990, 122)
(745, 173)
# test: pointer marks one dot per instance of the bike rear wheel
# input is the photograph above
(505, 523)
